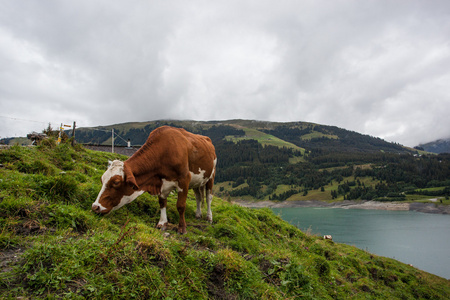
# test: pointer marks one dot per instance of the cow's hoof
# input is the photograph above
(182, 230)
(162, 226)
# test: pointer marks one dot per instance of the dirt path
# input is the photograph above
(8, 258)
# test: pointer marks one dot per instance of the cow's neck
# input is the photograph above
(144, 165)
(144, 158)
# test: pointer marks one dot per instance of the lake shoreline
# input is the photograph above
(350, 204)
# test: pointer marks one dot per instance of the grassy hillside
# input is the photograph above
(264, 139)
(53, 246)
(291, 134)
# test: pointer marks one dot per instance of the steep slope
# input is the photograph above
(53, 246)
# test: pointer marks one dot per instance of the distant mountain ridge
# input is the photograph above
(302, 134)
(439, 146)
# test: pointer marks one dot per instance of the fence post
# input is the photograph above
(73, 133)
(112, 142)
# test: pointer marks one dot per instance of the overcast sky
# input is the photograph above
(377, 67)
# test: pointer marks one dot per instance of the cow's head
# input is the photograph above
(119, 188)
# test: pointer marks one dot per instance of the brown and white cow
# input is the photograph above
(171, 159)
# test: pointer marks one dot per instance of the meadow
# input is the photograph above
(53, 246)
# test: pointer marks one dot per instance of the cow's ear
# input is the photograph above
(129, 177)
(109, 163)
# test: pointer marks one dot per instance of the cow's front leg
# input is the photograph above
(181, 207)
(162, 224)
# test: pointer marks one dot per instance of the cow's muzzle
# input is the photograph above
(97, 209)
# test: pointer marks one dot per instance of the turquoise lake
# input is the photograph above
(420, 239)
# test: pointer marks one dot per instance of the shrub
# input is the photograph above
(49, 143)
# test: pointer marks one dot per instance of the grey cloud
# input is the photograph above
(376, 67)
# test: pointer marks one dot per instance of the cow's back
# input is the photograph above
(201, 146)
(175, 147)
(201, 152)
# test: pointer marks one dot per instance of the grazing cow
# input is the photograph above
(170, 159)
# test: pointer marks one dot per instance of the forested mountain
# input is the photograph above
(299, 160)
(302, 134)
(439, 146)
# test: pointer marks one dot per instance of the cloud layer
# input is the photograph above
(377, 67)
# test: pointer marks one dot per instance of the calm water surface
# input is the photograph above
(420, 239)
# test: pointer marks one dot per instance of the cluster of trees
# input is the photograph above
(347, 141)
(283, 196)
(400, 175)
(250, 152)
(394, 175)
(351, 191)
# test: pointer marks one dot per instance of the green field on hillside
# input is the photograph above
(264, 139)
(316, 135)
(54, 247)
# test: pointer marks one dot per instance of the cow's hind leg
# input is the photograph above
(209, 197)
(199, 198)
(162, 224)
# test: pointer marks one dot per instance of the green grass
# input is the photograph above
(313, 195)
(264, 139)
(53, 247)
(316, 134)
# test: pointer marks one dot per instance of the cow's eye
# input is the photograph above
(116, 183)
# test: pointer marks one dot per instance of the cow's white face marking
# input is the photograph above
(127, 199)
(115, 169)
(102, 208)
